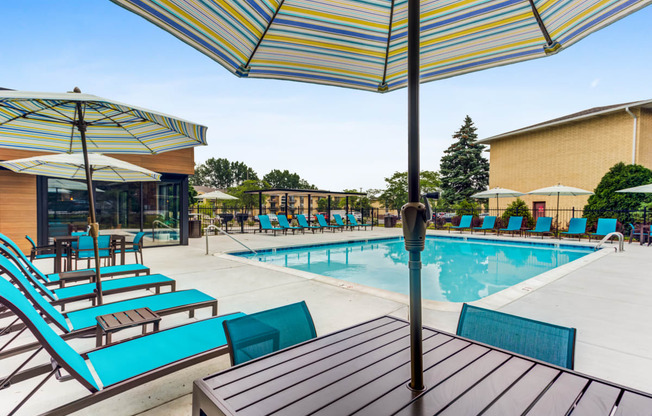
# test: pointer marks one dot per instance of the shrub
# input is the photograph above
(518, 208)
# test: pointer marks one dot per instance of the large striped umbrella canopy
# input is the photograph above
(381, 45)
(363, 43)
(72, 166)
(48, 122)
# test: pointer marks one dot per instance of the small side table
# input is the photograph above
(110, 323)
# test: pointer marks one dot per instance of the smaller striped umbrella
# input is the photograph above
(72, 166)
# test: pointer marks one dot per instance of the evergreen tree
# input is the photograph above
(463, 169)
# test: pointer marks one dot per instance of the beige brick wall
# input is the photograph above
(574, 154)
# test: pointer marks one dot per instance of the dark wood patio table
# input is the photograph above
(364, 370)
(63, 245)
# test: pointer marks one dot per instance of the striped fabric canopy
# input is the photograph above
(363, 43)
(46, 122)
(71, 166)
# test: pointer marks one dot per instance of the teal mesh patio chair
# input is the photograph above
(640, 231)
(285, 224)
(551, 343)
(262, 333)
(40, 252)
(513, 226)
(576, 227)
(605, 226)
(488, 224)
(85, 249)
(339, 221)
(324, 224)
(136, 247)
(542, 227)
(303, 222)
(465, 223)
(355, 223)
(266, 225)
(118, 367)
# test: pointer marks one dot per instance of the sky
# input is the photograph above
(335, 138)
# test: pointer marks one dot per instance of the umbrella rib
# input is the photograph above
(99, 110)
(244, 69)
(542, 26)
(383, 84)
(25, 115)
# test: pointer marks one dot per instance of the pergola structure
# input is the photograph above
(304, 192)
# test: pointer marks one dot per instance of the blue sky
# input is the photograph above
(334, 138)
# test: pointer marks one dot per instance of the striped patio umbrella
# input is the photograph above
(75, 122)
(559, 190)
(381, 45)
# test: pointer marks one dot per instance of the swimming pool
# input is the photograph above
(454, 269)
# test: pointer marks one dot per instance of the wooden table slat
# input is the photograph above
(560, 397)
(235, 374)
(353, 380)
(400, 395)
(483, 393)
(598, 400)
(263, 380)
(521, 395)
(633, 404)
(389, 381)
(439, 396)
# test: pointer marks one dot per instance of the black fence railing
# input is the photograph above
(243, 220)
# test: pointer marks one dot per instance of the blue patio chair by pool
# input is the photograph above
(605, 226)
(513, 226)
(61, 279)
(355, 223)
(40, 252)
(339, 221)
(488, 224)
(285, 224)
(303, 222)
(266, 225)
(322, 222)
(261, 333)
(465, 223)
(640, 231)
(85, 249)
(553, 344)
(82, 322)
(542, 227)
(136, 247)
(120, 366)
(576, 227)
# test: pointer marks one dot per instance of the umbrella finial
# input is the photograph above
(77, 90)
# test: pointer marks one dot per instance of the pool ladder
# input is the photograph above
(621, 241)
(214, 227)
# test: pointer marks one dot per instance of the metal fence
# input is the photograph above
(243, 220)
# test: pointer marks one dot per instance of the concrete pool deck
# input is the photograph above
(606, 299)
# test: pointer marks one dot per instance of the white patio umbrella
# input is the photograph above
(381, 46)
(559, 190)
(644, 189)
(217, 195)
(497, 192)
(74, 122)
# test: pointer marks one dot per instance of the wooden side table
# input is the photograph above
(110, 323)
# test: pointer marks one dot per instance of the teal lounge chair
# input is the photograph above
(487, 224)
(303, 222)
(354, 222)
(577, 226)
(540, 340)
(120, 366)
(542, 227)
(339, 221)
(285, 224)
(82, 322)
(322, 222)
(266, 225)
(605, 226)
(465, 223)
(262, 333)
(61, 279)
(513, 226)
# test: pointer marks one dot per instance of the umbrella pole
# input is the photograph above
(557, 219)
(94, 226)
(414, 212)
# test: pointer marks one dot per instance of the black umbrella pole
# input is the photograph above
(94, 226)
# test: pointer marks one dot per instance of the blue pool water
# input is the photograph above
(454, 270)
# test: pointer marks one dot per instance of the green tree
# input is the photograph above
(322, 204)
(249, 200)
(284, 179)
(192, 195)
(242, 173)
(396, 193)
(463, 169)
(606, 199)
(220, 173)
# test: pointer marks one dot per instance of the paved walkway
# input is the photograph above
(606, 300)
